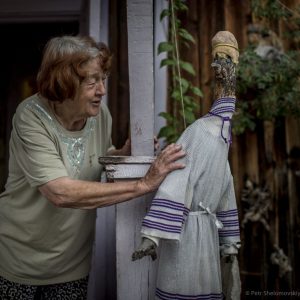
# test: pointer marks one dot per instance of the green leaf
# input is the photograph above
(184, 83)
(186, 35)
(167, 116)
(167, 62)
(189, 116)
(165, 47)
(166, 131)
(164, 13)
(176, 94)
(183, 7)
(196, 91)
(187, 67)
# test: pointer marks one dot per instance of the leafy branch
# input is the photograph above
(269, 86)
(181, 91)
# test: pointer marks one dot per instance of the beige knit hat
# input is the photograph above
(225, 42)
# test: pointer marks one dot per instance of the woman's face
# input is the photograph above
(91, 90)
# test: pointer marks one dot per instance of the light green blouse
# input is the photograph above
(39, 243)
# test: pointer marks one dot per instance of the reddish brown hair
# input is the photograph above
(61, 70)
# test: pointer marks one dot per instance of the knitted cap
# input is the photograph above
(225, 42)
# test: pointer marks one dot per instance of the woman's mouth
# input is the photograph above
(96, 102)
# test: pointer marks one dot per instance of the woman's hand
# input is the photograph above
(126, 149)
(162, 166)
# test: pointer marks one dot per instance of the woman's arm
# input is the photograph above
(67, 192)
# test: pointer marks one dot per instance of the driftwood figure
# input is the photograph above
(193, 217)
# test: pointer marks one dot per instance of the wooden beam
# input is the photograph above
(141, 81)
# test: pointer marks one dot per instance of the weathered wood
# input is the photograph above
(118, 85)
(126, 167)
(140, 66)
(135, 280)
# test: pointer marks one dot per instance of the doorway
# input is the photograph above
(21, 52)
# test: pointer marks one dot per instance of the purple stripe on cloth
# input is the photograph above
(230, 222)
(229, 233)
(224, 103)
(166, 213)
(233, 218)
(170, 296)
(176, 205)
(228, 230)
(186, 210)
(221, 110)
(166, 206)
(223, 235)
(231, 225)
(224, 100)
(168, 218)
(161, 228)
(161, 225)
(227, 213)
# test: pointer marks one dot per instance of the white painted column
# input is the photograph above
(141, 79)
(136, 280)
(133, 280)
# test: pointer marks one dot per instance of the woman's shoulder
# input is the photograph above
(30, 108)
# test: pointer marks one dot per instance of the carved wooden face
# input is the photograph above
(224, 74)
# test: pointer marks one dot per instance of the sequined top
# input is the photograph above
(41, 243)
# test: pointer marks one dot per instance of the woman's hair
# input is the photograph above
(62, 67)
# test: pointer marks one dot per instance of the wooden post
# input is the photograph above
(135, 280)
(141, 81)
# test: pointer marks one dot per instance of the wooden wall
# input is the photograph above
(268, 156)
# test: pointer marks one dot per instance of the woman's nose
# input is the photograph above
(101, 88)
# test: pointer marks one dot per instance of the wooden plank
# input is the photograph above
(140, 66)
(135, 280)
(94, 19)
(128, 171)
(125, 167)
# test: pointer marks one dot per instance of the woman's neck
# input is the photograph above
(66, 116)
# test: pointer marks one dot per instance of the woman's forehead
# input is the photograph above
(93, 68)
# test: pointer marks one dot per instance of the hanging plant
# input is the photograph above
(182, 93)
(268, 80)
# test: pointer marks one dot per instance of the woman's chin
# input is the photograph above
(94, 110)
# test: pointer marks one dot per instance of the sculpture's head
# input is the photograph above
(225, 44)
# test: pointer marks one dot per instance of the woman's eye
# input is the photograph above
(91, 83)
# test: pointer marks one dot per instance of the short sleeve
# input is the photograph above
(34, 149)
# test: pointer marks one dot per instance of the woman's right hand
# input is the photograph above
(162, 166)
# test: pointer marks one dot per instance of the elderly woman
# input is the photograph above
(58, 135)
